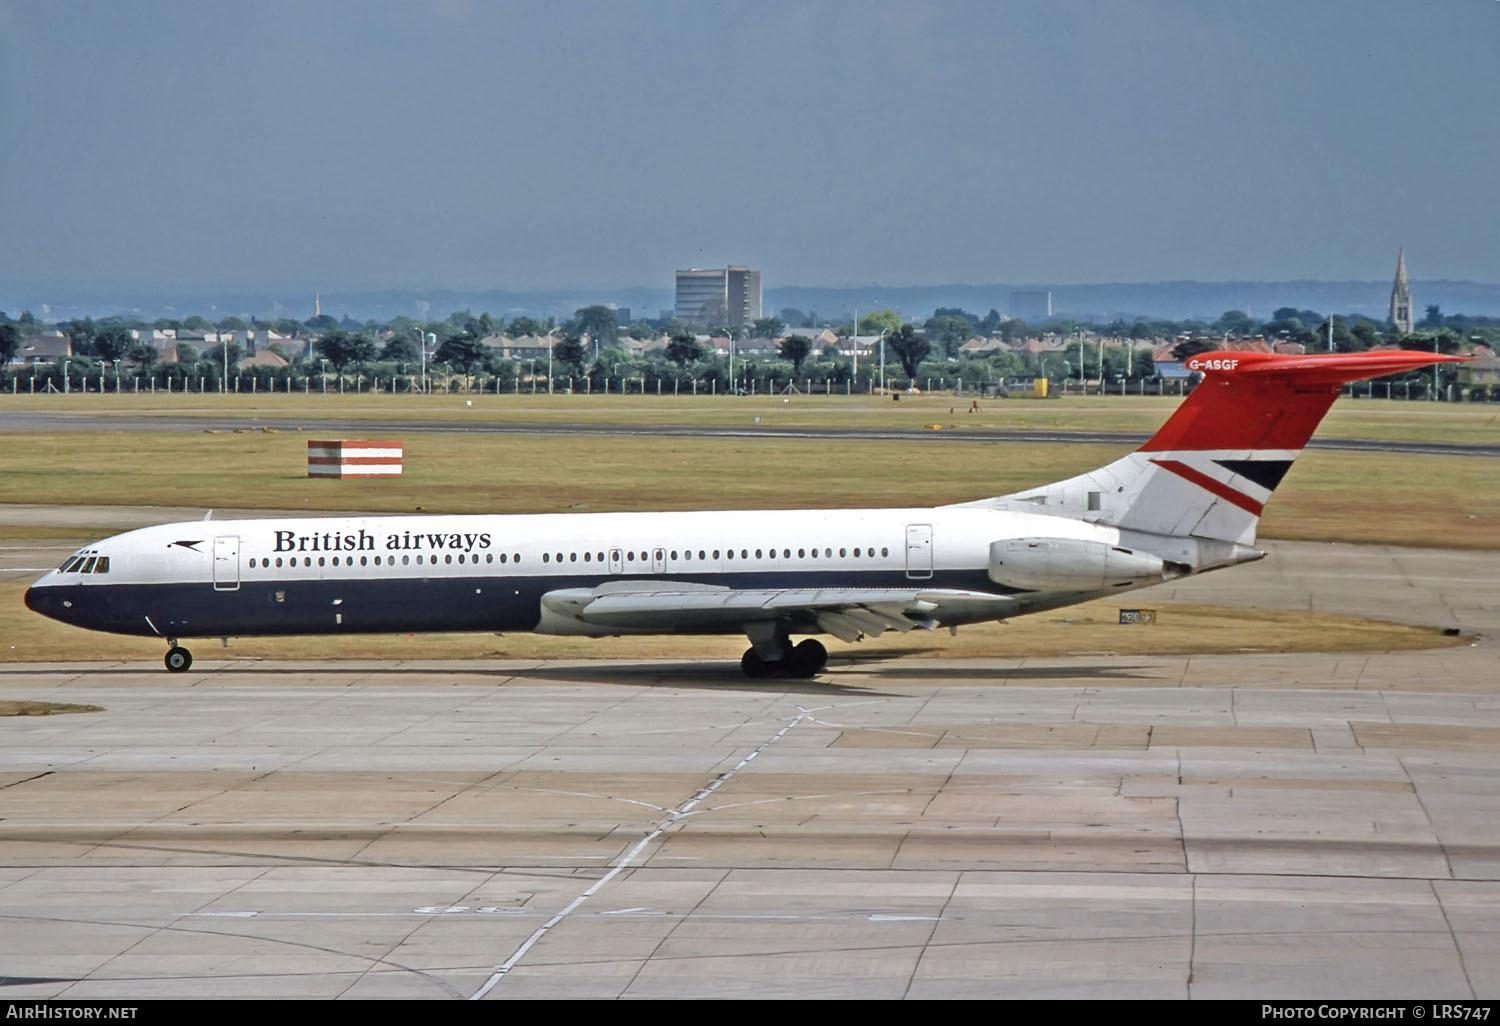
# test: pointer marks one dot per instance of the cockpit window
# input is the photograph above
(86, 563)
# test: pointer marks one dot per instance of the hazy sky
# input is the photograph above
(474, 144)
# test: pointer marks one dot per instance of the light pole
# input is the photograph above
(117, 376)
(730, 332)
(854, 342)
(325, 376)
(1434, 370)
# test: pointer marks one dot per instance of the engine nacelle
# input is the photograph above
(1070, 564)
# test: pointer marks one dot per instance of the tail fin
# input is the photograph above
(1209, 470)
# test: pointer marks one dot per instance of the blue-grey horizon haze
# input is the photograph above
(513, 145)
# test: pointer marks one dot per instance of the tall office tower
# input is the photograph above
(713, 298)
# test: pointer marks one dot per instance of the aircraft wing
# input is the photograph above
(846, 613)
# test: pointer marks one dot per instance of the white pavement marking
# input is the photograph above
(671, 820)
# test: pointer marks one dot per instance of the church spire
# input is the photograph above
(1400, 318)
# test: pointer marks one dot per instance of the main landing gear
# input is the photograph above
(178, 658)
(771, 651)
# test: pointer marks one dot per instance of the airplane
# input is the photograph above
(1186, 502)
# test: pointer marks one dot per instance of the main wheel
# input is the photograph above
(807, 659)
(178, 659)
(754, 665)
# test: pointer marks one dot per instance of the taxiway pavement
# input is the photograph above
(1245, 825)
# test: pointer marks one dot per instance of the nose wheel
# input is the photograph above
(178, 658)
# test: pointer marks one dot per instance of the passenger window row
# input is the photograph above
(688, 555)
(684, 555)
(406, 560)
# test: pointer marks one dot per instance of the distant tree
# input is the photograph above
(795, 318)
(10, 341)
(769, 327)
(234, 324)
(197, 323)
(143, 355)
(225, 354)
(401, 349)
(639, 330)
(1343, 338)
(1234, 322)
(322, 323)
(955, 311)
(1366, 335)
(600, 323)
(949, 330)
(570, 352)
(877, 321)
(910, 348)
(1140, 329)
(187, 355)
(991, 323)
(113, 343)
(463, 351)
(796, 348)
(520, 326)
(81, 331)
(341, 348)
(1434, 318)
(684, 349)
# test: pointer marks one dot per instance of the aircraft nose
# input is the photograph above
(42, 600)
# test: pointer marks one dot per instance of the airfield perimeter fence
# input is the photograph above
(50, 379)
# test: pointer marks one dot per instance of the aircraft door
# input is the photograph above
(658, 561)
(616, 561)
(227, 563)
(918, 551)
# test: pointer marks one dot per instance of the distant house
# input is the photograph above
(821, 338)
(1172, 370)
(44, 348)
(526, 347)
(265, 358)
(981, 347)
(1482, 370)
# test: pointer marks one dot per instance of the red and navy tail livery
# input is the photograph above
(1207, 473)
(1185, 502)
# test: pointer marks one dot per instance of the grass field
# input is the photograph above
(1330, 496)
(1350, 418)
(1393, 499)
